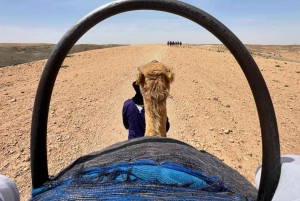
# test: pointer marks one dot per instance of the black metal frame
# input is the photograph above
(271, 166)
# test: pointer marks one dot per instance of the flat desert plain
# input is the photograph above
(211, 106)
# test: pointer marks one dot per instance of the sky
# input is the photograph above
(266, 22)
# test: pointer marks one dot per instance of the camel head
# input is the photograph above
(154, 79)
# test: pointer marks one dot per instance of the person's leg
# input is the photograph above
(289, 185)
(8, 189)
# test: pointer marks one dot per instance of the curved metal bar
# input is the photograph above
(270, 140)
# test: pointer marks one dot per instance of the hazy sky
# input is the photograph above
(253, 22)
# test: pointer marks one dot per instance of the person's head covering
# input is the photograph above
(138, 98)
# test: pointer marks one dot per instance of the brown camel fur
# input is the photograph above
(154, 79)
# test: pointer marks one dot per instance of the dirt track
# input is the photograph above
(210, 97)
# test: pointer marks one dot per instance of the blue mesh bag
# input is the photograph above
(147, 168)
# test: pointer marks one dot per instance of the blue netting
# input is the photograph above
(138, 180)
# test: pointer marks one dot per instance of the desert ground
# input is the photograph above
(211, 106)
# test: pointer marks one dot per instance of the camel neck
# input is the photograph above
(156, 118)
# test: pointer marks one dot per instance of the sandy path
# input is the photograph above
(210, 94)
(157, 53)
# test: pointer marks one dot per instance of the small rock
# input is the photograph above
(227, 105)
(240, 166)
(27, 159)
(249, 154)
(231, 140)
(6, 164)
(26, 168)
(245, 158)
(226, 131)
(211, 128)
(14, 100)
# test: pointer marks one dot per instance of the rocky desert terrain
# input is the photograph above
(18, 53)
(211, 106)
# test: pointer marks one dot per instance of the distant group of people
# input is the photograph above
(170, 43)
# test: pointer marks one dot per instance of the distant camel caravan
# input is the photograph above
(170, 43)
(154, 79)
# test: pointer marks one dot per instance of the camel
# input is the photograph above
(154, 79)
